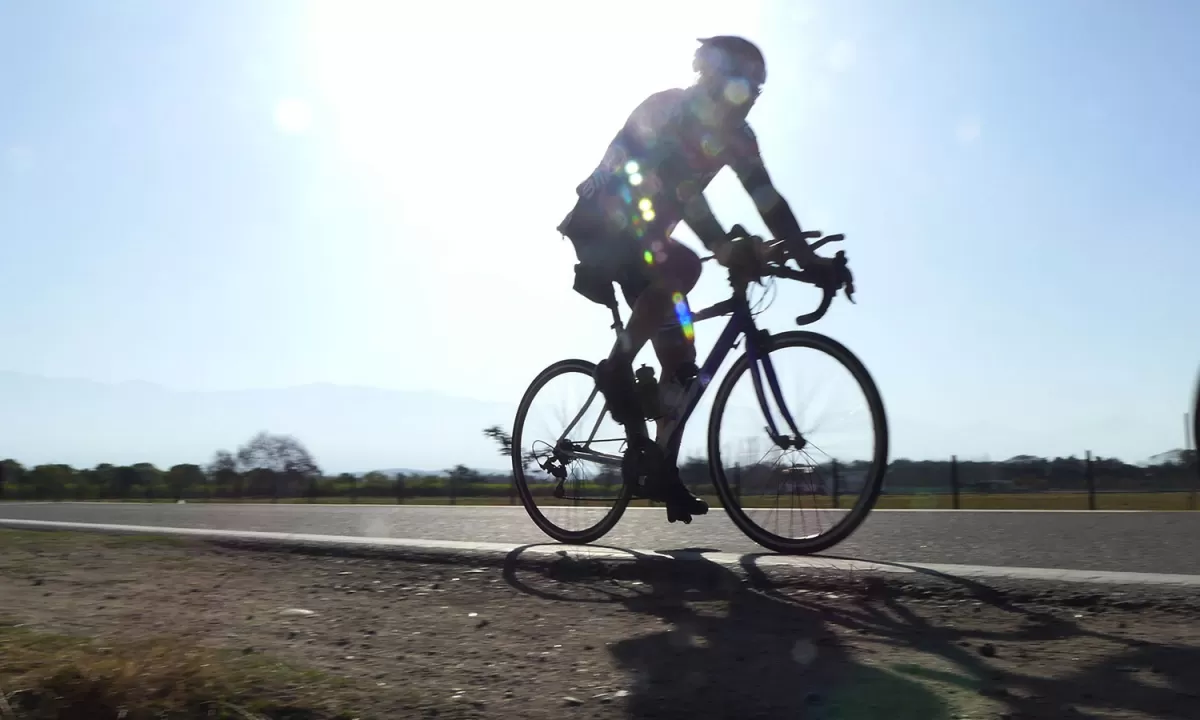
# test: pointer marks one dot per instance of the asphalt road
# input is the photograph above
(1138, 542)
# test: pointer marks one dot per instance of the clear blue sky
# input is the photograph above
(227, 195)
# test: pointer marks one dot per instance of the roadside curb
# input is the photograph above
(689, 561)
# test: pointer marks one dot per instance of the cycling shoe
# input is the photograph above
(682, 504)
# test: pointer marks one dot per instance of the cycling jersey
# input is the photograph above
(669, 149)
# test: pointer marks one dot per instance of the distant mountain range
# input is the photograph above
(347, 428)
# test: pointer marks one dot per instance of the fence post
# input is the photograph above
(1091, 480)
(1196, 485)
(954, 499)
(737, 481)
(836, 490)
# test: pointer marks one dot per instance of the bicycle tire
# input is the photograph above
(568, 537)
(873, 484)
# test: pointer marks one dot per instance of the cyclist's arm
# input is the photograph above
(698, 215)
(775, 211)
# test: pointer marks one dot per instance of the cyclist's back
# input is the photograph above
(669, 149)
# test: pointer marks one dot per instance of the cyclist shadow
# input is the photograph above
(729, 650)
(1115, 680)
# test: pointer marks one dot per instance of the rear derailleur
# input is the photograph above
(555, 465)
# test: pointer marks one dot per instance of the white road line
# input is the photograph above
(601, 553)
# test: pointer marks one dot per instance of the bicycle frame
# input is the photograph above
(741, 323)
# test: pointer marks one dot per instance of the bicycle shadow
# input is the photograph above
(729, 650)
(1159, 679)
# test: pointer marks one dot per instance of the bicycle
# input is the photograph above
(556, 458)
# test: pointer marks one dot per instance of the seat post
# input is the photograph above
(616, 316)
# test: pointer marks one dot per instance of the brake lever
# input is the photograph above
(846, 277)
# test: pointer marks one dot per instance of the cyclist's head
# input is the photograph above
(732, 68)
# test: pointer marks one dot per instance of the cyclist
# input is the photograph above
(651, 178)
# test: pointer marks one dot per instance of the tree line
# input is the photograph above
(274, 467)
(269, 467)
(1172, 472)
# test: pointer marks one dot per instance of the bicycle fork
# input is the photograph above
(756, 355)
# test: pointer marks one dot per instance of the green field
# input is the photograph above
(922, 501)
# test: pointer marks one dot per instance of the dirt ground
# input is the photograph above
(594, 641)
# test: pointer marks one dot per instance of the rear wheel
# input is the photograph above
(827, 470)
(566, 455)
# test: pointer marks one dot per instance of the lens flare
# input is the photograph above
(644, 204)
(648, 257)
(737, 91)
(648, 215)
(635, 179)
(684, 313)
(631, 167)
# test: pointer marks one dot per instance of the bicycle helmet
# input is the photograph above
(729, 57)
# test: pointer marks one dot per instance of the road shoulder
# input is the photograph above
(559, 636)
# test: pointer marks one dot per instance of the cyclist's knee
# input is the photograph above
(677, 267)
(685, 267)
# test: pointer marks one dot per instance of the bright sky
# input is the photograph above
(226, 195)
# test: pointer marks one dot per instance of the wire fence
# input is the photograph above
(1074, 483)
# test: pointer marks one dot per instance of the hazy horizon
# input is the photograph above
(347, 428)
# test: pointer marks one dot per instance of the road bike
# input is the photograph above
(546, 467)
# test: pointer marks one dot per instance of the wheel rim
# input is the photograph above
(784, 498)
(592, 493)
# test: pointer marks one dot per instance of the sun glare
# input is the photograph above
(512, 101)
(293, 116)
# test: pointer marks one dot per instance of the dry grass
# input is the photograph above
(44, 677)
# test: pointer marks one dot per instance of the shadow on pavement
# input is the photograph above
(726, 650)
(1105, 672)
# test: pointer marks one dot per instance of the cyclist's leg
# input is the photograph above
(605, 253)
(653, 290)
(673, 276)
(652, 275)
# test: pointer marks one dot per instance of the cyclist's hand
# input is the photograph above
(744, 255)
(834, 271)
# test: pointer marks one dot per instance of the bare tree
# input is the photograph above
(278, 457)
(280, 453)
(503, 439)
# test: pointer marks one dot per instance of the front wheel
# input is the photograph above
(751, 474)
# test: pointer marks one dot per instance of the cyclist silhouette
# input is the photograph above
(651, 178)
